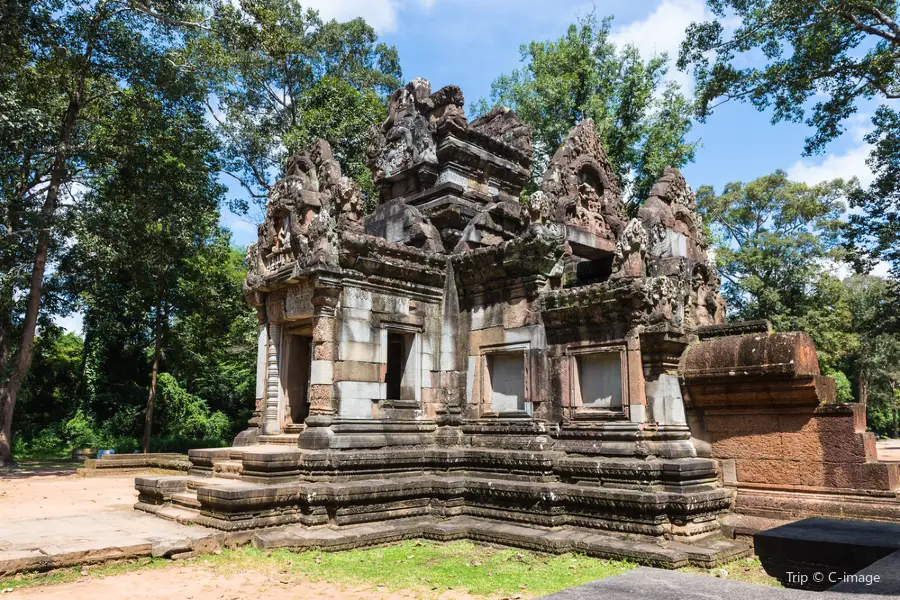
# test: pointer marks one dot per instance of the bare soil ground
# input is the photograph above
(197, 582)
(40, 491)
(889, 450)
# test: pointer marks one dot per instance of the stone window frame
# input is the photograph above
(580, 412)
(486, 390)
(386, 326)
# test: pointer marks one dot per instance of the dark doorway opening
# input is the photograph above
(297, 388)
(396, 364)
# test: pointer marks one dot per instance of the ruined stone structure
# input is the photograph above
(461, 364)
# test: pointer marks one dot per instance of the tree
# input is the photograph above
(776, 240)
(841, 51)
(642, 121)
(336, 111)
(874, 364)
(149, 218)
(266, 61)
(49, 396)
(62, 64)
(875, 230)
(870, 303)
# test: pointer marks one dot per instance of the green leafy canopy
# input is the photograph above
(643, 121)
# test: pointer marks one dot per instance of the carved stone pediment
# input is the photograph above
(304, 212)
(407, 137)
(581, 183)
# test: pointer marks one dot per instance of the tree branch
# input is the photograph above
(256, 174)
(244, 184)
(141, 8)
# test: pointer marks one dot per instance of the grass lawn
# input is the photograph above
(428, 567)
(749, 570)
(479, 569)
(418, 565)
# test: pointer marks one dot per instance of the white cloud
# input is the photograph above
(848, 164)
(663, 31)
(380, 14)
(843, 165)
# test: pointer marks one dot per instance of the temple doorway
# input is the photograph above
(296, 388)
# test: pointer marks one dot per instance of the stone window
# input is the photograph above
(506, 381)
(598, 381)
(591, 271)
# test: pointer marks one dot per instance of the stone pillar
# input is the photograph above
(324, 352)
(272, 423)
(660, 354)
(262, 343)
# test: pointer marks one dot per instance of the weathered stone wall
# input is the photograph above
(365, 317)
(758, 404)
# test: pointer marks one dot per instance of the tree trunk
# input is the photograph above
(21, 363)
(863, 388)
(894, 406)
(151, 398)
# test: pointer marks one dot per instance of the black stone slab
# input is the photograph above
(881, 578)
(817, 553)
(646, 583)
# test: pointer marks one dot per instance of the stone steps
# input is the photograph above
(186, 500)
(177, 514)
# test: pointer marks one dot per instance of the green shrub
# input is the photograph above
(183, 415)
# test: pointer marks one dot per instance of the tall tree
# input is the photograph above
(870, 304)
(642, 120)
(833, 52)
(152, 211)
(336, 111)
(776, 241)
(62, 64)
(266, 60)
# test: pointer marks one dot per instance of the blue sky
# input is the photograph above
(470, 42)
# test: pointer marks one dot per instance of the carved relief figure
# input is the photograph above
(581, 182)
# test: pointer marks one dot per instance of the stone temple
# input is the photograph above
(548, 374)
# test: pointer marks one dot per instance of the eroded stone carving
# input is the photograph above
(304, 212)
(406, 138)
(583, 185)
(502, 124)
(631, 250)
(679, 247)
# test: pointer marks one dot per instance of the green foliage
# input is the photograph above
(776, 240)
(269, 62)
(116, 94)
(476, 569)
(336, 111)
(843, 388)
(49, 395)
(642, 121)
(836, 52)
(842, 50)
(874, 363)
(874, 231)
(186, 415)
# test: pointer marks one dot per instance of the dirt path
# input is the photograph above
(889, 450)
(196, 582)
(57, 492)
